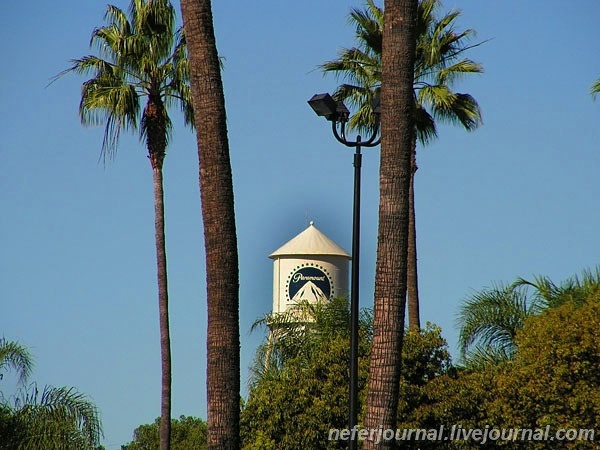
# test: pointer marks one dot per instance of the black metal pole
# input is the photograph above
(354, 302)
(339, 117)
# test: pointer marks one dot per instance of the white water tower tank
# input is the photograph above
(309, 267)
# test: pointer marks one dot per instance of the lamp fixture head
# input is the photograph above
(324, 105)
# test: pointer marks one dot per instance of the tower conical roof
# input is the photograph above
(310, 242)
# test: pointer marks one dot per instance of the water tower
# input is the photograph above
(309, 267)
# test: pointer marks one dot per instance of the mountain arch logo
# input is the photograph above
(311, 283)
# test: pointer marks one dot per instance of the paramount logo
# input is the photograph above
(309, 283)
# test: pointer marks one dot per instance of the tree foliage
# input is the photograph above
(53, 418)
(425, 357)
(14, 356)
(439, 63)
(301, 390)
(187, 433)
(551, 380)
(140, 57)
(554, 379)
(490, 319)
(295, 404)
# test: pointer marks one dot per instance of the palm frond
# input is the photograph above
(116, 16)
(451, 107)
(578, 290)
(368, 27)
(266, 365)
(450, 74)
(356, 66)
(492, 317)
(177, 90)
(301, 330)
(117, 105)
(437, 68)
(92, 65)
(482, 358)
(16, 357)
(154, 23)
(114, 43)
(141, 55)
(57, 418)
(425, 17)
(424, 125)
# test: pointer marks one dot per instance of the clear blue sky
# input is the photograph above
(517, 197)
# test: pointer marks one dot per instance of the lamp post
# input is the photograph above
(337, 113)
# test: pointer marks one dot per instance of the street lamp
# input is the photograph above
(337, 113)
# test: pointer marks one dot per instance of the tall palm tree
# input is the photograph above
(397, 124)
(143, 58)
(220, 240)
(16, 357)
(439, 62)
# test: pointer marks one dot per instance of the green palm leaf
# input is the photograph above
(490, 320)
(438, 66)
(141, 56)
(300, 331)
(492, 317)
(578, 290)
(56, 418)
(16, 357)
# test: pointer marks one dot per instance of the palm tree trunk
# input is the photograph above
(216, 192)
(412, 281)
(398, 55)
(163, 304)
(156, 141)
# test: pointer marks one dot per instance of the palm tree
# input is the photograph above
(142, 58)
(490, 319)
(56, 418)
(397, 128)
(439, 62)
(220, 240)
(575, 289)
(301, 330)
(16, 357)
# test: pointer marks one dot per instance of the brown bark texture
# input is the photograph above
(156, 142)
(216, 192)
(397, 104)
(163, 311)
(414, 319)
